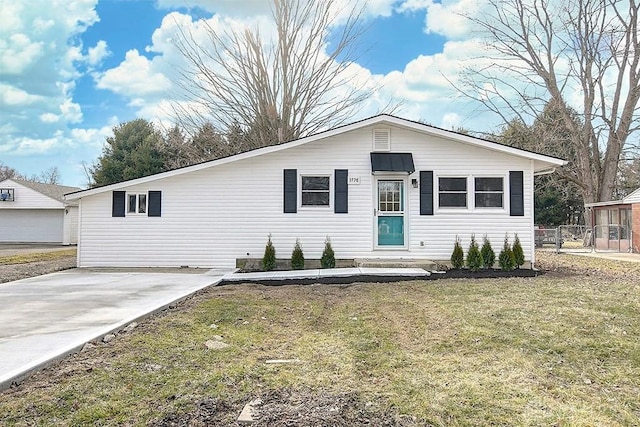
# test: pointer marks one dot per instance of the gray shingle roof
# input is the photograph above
(54, 191)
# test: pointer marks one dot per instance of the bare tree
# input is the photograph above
(275, 90)
(7, 172)
(49, 176)
(580, 54)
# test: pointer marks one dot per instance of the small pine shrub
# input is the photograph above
(457, 257)
(269, 257)
(297, 257)
(487, 253)
(506, 259)
(474, 259)
(518, 253)
(328, 259)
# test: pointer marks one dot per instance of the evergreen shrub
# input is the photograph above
(474, 258)
(506, 259)
(487, 253)
(297, 257)
(457, 257)
(269, 257)
(328, 259)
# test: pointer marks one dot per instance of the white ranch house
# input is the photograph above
(33, 212)
(382, 188)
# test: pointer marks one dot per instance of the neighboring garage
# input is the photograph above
(32, 212)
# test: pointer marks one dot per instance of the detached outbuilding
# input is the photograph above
(382, 188)
(32, 212)
(617, 223)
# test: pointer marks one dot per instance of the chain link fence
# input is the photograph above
(579, 238)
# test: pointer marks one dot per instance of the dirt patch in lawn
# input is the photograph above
(300, 408)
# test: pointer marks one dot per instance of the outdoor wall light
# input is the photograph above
(414, 182)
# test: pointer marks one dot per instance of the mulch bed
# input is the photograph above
(462, 273)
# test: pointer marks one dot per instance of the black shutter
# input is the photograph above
(155, 203)
(341, 200)
(426, 192)
(516, 193)
(290, 190)
(117, 204)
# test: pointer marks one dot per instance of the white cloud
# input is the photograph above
(222, 7)
(42, 56)
(449, 18)
(13, 97)
(98, 53)
(71, 111)
(18, 53)
(94, 137)
(135, 76)
(49, 118)
(414, 5)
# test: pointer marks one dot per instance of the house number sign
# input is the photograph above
(354, 180)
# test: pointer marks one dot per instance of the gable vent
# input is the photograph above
(382, 140)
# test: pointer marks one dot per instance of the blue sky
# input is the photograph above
(72, 69)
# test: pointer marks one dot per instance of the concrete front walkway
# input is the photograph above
(330, 274)
(48, 317)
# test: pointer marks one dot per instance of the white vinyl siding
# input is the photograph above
(214, 215)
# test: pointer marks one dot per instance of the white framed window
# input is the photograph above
(136, 203)
(315, 190)
(7, 195)
(489, 192)
(452, 192)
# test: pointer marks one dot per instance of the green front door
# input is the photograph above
(390, 213)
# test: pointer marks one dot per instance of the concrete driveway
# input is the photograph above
(48, 317)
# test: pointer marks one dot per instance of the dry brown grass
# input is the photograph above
(560, 349)
(36, 257)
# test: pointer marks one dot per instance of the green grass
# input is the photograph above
(35, 257)
(553, 350)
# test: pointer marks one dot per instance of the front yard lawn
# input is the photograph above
(560, 349)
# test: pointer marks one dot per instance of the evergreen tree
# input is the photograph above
(474, 258)
(487, 254)
(269, 257)
(135, 150)
(506, 259)
(457, 257)
(518, 253)
(328, 259)
(297, 257)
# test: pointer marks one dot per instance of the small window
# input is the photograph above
(136, 204)
(489, 192)
(452, 192)
(7, 195)
(315, 191)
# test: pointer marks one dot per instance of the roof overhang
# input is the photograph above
(392, 162)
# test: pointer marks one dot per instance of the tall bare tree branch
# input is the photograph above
(583, 55)
(276, 90)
